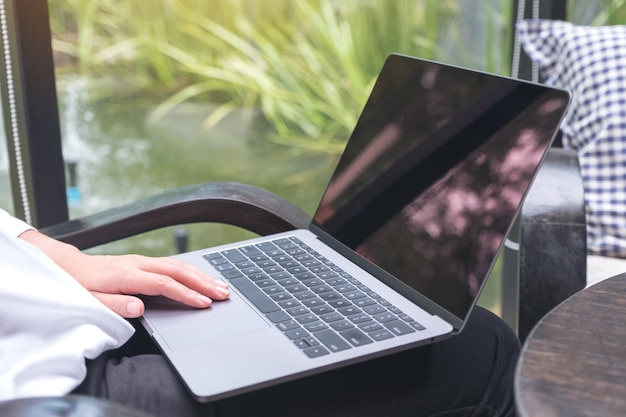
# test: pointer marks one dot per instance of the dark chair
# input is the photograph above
(552, 238)
(241, 205)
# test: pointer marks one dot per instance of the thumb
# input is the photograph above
(126, 306)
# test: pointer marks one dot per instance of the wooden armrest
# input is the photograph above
(236, 204)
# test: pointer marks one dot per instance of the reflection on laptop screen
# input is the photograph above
(435, 173)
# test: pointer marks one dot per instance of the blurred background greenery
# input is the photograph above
(306, 64)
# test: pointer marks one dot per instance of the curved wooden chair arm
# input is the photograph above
(236, 204)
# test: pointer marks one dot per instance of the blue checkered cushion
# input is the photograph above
(591, 63)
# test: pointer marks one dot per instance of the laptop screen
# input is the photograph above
(435, 172)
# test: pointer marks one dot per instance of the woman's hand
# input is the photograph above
(114, 280)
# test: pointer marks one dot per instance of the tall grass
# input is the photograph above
(309, 73)
(307, 65)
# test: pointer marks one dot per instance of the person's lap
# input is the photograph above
(469, 374)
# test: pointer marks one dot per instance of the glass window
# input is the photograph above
(176, 93)
(597, 12)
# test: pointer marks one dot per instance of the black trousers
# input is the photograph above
(467, 375)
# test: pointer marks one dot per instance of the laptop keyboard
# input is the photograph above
(316, 304)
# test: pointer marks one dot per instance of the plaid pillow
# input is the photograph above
(591, 63)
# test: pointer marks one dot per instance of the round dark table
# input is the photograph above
(573, 363)
(70, 406)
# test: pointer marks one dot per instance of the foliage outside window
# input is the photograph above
(306, 64)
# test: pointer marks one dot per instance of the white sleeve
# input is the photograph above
(49, 324)
(12, 225)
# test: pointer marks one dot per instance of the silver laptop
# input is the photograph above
(399, 248)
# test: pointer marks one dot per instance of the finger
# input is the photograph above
(149, 283)
(126, 306)
(189, 276)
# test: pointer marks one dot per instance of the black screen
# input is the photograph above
(435, 172)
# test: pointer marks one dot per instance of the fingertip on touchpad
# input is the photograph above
(183, 327)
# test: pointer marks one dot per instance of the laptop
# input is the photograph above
(399, 248)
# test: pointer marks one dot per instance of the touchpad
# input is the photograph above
(183, 327)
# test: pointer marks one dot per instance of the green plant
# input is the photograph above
(307, 65)
(311, 74)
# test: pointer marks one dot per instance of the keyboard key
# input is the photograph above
(288, 325)
(374, 309)
(308, 261)
(330, 317)
(296, 288)
(255, 295)
(231, 273)
(381, 334)
(214, 255)
(285, 282)
(362, 302)
(315, 326)
(234, 255)
(306, 342)
(354, 295)
(266, 246)
(273, 289)
(216, 261)
(313, 302)
(257, 277)
(251, 270)
(330, 296)
(306, 318)
(340, 303)
(304, 276)
(224, 267)
(336, 280)
(416, 325)
(359, 318)
(327, 275)
(296, 311)
(304, 295)
(250, 250)
(345, 287)
(332, 340)
(322, 309)
(355, 337)
(278, 316)
(370, 326)
(321, 289)
(313, 282)
(315, 351)
(384, 317)
(258, 258)
(265, 282)
(398, 327)
(265, 264)
(349, 310)
(288, 263)
(384, 302)
(296, 334)
(289, 303)
(284, 278)
(341, 325)
(280, 296)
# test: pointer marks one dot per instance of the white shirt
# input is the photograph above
(49, 323)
